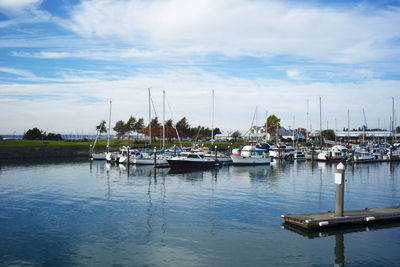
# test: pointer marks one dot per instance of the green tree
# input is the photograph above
(139, 125)
(183, 125)
(120, 128)
(53, 136)
(130, 125)
(273, 123)
(154, 122)
(216, 131)
(328, 134)
(101, 128)
(34, 134)
(169, 123)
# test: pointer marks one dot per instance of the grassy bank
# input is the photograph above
(103, 142)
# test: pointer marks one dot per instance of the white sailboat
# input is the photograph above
(148, 158)
(103, 155)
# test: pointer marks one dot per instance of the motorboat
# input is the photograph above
(220, 156)
(192, 160)
(335, 153)
(251, 155)
(363, 156)
(299, 155)
(281, 151)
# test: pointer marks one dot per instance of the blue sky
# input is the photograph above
(62, 61)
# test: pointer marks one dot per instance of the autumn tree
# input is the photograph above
(235, 135)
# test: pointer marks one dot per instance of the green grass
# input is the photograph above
(103, 143)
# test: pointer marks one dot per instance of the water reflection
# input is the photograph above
(105, 214)
(339, 233)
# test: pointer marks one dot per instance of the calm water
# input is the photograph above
(77, 213)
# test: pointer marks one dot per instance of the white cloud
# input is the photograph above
(241, 27)
(22, 11)
(294, 74)
(19, 72)
(82, 101)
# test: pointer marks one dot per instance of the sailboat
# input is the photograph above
(102, 156)
(147, 158)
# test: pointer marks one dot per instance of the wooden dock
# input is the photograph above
(350, 218)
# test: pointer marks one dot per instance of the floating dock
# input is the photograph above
(350, 218)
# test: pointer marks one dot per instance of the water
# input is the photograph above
(77, 213)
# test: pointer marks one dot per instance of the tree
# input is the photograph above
(154, 122)
(120, 128)
(273, 123)
(101, 128)
(139, 125)
(130, 125)
(34, 134)
(183, 126)
(53, 136)
(169, 123)
(328, 134)
(235, 135)
(216, 131)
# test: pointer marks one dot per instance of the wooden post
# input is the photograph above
(215, 147)
(339, 181)
(90, 151)
(155, 157)
(175, 150)
(128, 155)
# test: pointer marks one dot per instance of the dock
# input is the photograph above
(328, 219)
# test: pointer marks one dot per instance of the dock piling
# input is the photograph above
(155, 157)
(339, 181)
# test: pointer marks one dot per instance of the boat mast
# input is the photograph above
(163, 140)
(294, 120)
(320, 123)
(307, 123)
(149, 118)
(393, 130)
(348, 126)
(212, 120)
(109, 128)
(266, 126)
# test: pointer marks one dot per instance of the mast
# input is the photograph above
(320, 123)
(149, 117)
(266, 126)
(109, 128)
(294, 120)
(212, 120)
(307, 123)
(393, 130)
(348, 126)
(163, 130)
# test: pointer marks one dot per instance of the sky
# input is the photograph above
(63, 61)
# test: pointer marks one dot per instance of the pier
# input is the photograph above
(341, 218)
(350, 218)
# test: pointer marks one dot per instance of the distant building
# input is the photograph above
(259, 133)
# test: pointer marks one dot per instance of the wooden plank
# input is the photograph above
(328, 219)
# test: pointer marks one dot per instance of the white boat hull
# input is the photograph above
(240, 160)
(99, 156)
